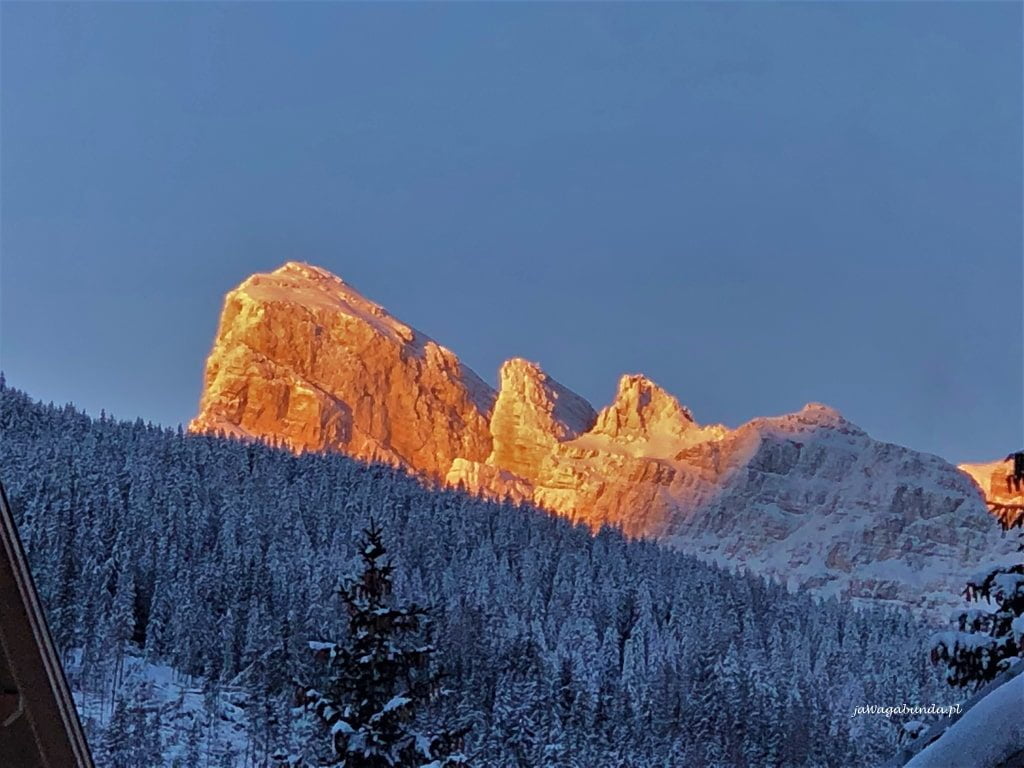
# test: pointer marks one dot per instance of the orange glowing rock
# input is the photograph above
(992, 478)
(302, 359)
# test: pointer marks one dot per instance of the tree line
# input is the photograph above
(561, 648)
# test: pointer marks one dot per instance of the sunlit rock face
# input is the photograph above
(992, 478)
(646, 416)
(487, 480)
(532, 415)
(302, 358)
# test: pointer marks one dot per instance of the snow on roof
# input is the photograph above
(988, 735)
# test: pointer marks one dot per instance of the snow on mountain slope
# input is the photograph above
(845, 514)
(302, 358)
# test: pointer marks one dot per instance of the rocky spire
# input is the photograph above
(532, 414)
(641, 410)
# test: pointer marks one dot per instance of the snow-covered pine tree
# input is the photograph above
(986, 640)
(379, 679)
(117, 748)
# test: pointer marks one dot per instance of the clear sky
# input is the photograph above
(756, 205)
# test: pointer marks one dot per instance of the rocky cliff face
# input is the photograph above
(992, 479)
(532, 415)
(300, 357)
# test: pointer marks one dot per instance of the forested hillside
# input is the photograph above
(221, 559)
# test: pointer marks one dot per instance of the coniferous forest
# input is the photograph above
(220, 562)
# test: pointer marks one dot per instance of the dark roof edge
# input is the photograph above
(47, 724)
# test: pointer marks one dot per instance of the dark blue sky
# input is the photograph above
(756, 205)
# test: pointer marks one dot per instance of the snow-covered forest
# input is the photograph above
(184, 577)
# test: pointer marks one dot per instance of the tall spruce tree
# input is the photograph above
(379, 679)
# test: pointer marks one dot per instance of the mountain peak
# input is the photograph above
(321, 292)
(812, 418)
(821, 415)
(526, 382)
(306, 270)
(533, 412)
(301, 357)
(644, 420)
(642, 409)
(641, 394)
(822, 411)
